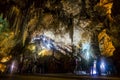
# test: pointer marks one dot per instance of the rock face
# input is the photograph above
(105, 44)
(78, 22)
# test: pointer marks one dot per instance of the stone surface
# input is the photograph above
(105, 44)
(68, 21)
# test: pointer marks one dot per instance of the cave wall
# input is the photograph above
(89, 17)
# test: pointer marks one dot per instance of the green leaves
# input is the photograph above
(3, 23)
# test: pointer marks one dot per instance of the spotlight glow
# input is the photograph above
(86, 50)
(102, 65)
(12, 67)
(94, 68)
(94, 71)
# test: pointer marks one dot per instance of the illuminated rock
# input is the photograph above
(56, 19)
(45, 53)
(7, 42)
(47, 20)
(5, 59)
(104, 8)
(70, 8)
(31, 47)
(2, 67)
(105, 44)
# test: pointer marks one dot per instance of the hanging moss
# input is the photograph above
(3, 24)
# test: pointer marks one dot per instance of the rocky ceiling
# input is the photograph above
(69, 22)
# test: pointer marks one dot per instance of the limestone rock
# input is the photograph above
(105, 44)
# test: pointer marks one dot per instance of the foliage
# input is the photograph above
(3, 23)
